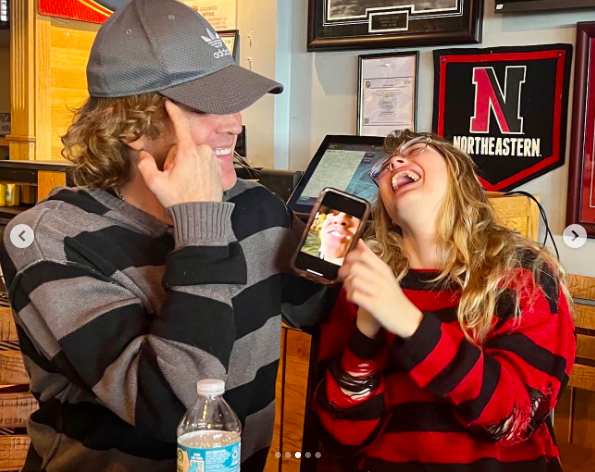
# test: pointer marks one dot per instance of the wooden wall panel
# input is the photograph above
(70, 45)
(46, 181)
(63, 100)
(63, 62)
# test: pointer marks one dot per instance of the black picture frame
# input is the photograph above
(360, 79)
(371, 24)
(520, 6)
(233, 35)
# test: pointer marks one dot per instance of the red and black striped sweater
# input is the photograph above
(438, 402)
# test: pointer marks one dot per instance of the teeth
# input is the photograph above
(414, 176)
(222, 152)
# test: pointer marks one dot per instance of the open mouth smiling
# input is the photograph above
(403, 178)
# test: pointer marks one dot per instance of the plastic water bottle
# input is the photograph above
(209, 435)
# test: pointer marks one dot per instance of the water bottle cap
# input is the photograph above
(210, 387)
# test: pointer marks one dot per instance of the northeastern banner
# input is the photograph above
(506, 107)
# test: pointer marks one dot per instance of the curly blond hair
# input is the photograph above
(96, 140)
(478, 255)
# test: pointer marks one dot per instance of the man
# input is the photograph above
(160, 269)
(336, 235)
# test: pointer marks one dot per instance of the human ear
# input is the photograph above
(138, 145)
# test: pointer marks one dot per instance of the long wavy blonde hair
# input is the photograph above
(96, 140)
(478, 255)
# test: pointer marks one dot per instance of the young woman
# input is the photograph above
(453, 339)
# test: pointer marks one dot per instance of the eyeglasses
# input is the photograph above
(408, 149)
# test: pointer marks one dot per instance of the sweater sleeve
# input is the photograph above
(506, 389)
(98, 332)
(350, 401)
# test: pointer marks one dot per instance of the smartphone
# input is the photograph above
(334, 226)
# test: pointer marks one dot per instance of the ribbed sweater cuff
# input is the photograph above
(208, 221)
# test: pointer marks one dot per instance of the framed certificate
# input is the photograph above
(581, 182)
(387, 98)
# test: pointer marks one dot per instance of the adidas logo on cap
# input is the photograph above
(215, 40)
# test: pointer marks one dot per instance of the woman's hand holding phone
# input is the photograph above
(372, 286)
(335, 224)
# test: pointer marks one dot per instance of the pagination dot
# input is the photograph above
(318, 455)
(288, 454)
(277, 455)
(308, 455)
(298, 455)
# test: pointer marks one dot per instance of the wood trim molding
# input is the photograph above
(43, 87)
(22, 78)
(21, 139)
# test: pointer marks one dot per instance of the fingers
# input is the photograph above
(148, 169)
(359, 298)
(181, 124)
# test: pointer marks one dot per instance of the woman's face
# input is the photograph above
(338, 230)
(414, 187)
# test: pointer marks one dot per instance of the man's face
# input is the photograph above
(337, 233)
(220, 132)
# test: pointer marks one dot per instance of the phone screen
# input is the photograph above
(337, 223)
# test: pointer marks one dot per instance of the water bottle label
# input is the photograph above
(218, 459)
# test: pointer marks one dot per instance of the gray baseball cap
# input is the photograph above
(165, 46)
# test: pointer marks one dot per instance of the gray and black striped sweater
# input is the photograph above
(119, 315)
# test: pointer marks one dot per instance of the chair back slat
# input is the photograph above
(582, 290)
(13, 452)
(12, 369)
(584, 316)
(585, 347)
(8, 330)
(582, 287)
(15, 409)
(583, 376)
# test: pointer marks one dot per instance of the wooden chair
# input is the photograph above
(574, 420)
(16, 402)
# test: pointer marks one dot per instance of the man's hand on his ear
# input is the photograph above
(191, 172)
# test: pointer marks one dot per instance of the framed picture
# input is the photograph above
(581, 185)
(374, 24)
(512, 6)
(387, 93)
(231, 38)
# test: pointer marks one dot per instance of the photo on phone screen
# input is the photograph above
(331, 234)
(333, 229)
